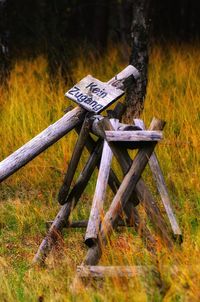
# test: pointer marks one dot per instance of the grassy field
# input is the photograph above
(29, 198)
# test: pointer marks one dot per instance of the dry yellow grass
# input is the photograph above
(28, 198)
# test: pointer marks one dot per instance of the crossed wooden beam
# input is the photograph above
(113, 138)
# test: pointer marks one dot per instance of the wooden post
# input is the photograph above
(162, 188)
(41, 142)
(99, 195)
(84, 133)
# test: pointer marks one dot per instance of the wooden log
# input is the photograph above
(118, 80)
(62, 217)
(123, 194)
(142, 192)
(127, 186)
(117, 112)
(40, 143)
(92, 271)
(78, 149)
(112, 180)
(99, 195)
(54, 132)
(82, 224)
(133, 136)
(85, 175)
(162, 188)
(53, 234)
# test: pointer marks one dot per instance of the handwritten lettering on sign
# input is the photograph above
(93, 95)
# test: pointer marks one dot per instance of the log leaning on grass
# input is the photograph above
(41, 142)
(56, 131)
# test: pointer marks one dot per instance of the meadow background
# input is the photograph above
(29, 198)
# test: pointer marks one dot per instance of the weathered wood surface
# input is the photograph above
(40, 143)
(96, 212)
(51, 134)
(129, 182)
(142, 193)
(96, 96)
(133, 136)
(127, 186)
(112, 180)
(78, 149)
(112, 271)
(82, 224)
(86, 174)
(62, 217)
(117, 81)
(93, 95)
(61, 220)
(162, 188)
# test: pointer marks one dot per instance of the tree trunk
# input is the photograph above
(139, 57)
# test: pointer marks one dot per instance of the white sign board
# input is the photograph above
(93, 95)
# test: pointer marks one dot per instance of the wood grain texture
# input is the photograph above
(133, 136)
(161, 186)
(40, 143)
(78, 149)
(110, 219)
(62, 217)
(126, 188)
(142, 193)
(100, 191)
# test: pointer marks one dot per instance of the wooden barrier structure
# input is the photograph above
(113, 138)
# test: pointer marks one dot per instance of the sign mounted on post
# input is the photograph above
(93, 95)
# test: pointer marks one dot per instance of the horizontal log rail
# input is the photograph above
(133, 136)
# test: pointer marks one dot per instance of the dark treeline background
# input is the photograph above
(56, 28)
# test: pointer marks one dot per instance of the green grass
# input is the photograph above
(29, 198)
